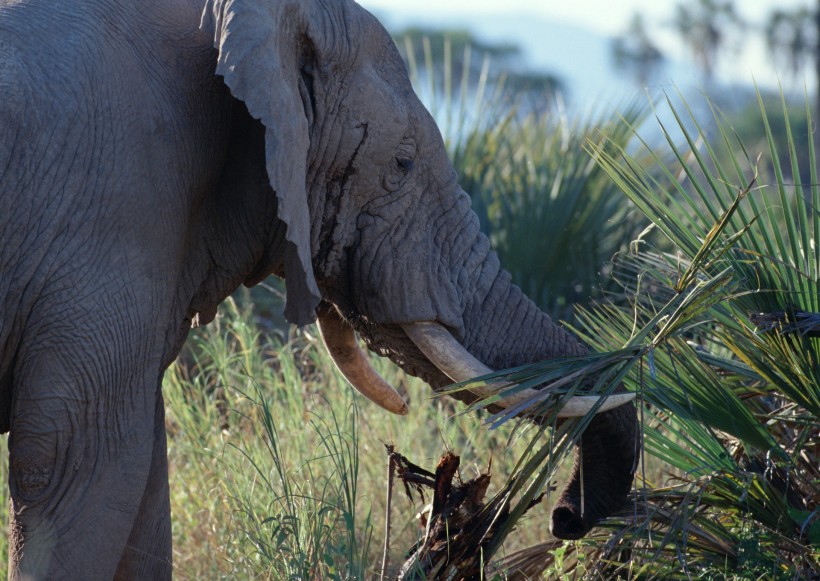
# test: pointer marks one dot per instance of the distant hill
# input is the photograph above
(578, 56)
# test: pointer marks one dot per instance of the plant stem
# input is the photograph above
(386, 556)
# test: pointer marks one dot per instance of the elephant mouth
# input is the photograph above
(445, 354)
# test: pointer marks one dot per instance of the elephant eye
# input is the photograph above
(405, 153)
(405, 163)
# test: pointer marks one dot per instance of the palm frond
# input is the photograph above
(717, 337)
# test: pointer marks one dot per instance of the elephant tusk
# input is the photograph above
(340, 342)
(452, 359)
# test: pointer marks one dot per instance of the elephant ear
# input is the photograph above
(261, 49)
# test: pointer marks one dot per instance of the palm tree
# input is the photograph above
(791, 37)
(703, 28)
(793, 40)
(635, 53)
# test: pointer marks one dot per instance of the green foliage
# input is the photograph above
(278, 469)
(294, 499)
(308, 526)
(552, 214)
(747, 122)
(713, 342)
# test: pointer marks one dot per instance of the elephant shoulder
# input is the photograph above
(33, 91)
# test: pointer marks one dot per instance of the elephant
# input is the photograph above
(154, 156)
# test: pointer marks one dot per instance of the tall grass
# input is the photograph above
(283, 463)
(278, 467)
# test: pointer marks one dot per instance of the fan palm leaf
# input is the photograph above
(719, 337)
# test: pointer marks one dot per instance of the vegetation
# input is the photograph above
(437, 57)
(636, 53)
(794, 126)
(719, 339)
(279, 469)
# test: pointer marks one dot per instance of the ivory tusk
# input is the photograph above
(441, 348)
(340, 342)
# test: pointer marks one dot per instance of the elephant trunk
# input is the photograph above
(461, 289)
(503, 329)
(602, 473)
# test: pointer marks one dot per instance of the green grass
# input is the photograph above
(278, 467)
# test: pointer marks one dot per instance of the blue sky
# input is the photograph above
(606, 18)
(602, 15)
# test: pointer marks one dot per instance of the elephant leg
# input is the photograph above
(82, 438)
(147, 554)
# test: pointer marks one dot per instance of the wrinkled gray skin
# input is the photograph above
(138, 188)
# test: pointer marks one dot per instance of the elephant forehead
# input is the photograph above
(376, 99)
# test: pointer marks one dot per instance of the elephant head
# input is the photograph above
(156, 155)
(379, 229)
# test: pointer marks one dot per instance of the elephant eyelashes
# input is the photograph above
(395, 175)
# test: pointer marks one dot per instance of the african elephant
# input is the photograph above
(154, 156)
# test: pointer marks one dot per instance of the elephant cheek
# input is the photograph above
(398, 276)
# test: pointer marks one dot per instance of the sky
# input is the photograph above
(606, 18)
(603, 15)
